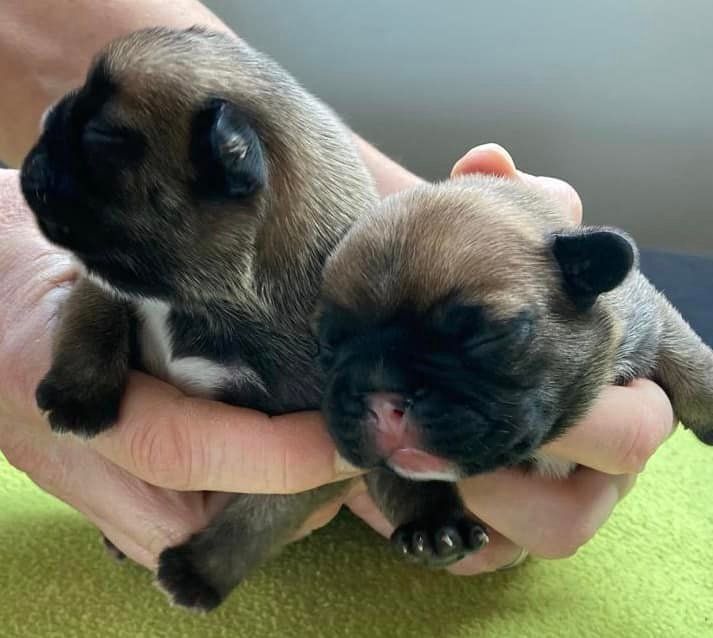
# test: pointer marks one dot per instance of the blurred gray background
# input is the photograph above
(615, 97)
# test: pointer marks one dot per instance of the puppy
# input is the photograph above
(201, 190)
(463, 325)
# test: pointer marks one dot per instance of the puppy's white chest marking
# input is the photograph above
(195, 376)
(551, 466)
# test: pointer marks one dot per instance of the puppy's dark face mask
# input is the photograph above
(72, 178)
(434, 395)
(137, 175)
(456, 340)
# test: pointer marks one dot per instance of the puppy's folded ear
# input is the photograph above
(593, 261)
(226, 152)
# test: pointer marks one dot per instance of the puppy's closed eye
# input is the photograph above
(470, 328)
(512, 335)
(107, 144)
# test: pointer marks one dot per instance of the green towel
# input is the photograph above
(648, 573)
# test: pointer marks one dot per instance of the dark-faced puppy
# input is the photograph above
(201, 189)
(463, 325)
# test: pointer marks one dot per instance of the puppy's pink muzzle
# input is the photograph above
(397, 440)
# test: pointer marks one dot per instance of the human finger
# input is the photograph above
(621, 431)
(493, 159)
(140, 519)
(549, 517)
(182, 443)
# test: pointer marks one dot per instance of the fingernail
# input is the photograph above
(516, 562)
(505, 163)
(344, 468)
(492, 147)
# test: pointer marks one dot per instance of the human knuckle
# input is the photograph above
(645, 432)
(162, 454)
(290, 476)
(280, 474)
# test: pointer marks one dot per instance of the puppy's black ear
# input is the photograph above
(226, 152)
(593, 261)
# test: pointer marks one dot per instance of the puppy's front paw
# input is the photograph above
(81, 410)
(439, 543)
(179, 579)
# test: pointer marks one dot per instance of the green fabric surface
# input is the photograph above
(647, 573)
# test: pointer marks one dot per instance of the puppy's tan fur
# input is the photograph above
(419, 247)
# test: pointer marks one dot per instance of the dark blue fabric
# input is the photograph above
(688, 283)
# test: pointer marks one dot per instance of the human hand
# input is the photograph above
(550, 518)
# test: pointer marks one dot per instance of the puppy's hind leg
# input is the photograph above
(201, 572)
(685, 370)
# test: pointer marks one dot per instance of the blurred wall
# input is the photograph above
(615, 97)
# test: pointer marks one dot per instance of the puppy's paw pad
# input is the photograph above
(76, 410)
(439, 543)
(179, 579)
